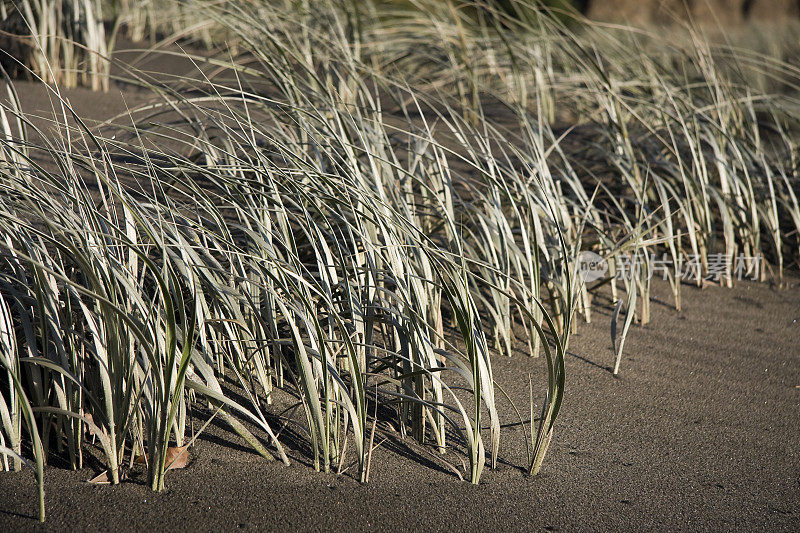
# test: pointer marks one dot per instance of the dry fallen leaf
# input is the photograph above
(708, 283)
(103, 478)
(177, 457)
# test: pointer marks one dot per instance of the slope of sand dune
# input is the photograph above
(700, 431)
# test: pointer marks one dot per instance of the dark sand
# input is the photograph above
(700, 431)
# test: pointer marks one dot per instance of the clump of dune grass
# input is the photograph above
(153, 21)
(684, 147)
(362, 210)
(62, 41)
(299, 265)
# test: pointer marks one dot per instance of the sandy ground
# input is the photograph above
(700, 431)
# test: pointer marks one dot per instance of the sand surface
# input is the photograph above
(700, 431)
